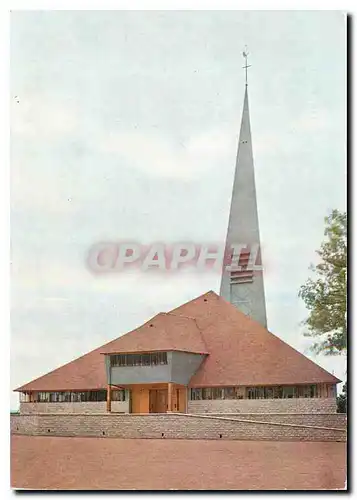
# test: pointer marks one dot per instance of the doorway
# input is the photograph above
(158, 400)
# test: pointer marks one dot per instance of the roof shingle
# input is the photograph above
(243, 352)
(240, 351)
(164, 332)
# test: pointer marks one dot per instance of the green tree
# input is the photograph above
(325, 294)
(342, 400)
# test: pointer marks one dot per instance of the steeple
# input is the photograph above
(244, 286)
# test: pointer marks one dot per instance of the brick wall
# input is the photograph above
(298, 405)
(87, 407)
(171, 426)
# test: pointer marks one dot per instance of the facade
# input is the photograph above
(206, 356)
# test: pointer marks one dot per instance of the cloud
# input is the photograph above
(42, 116)
(38, 190)
(314, 120)
(157, 156)
(39, 122)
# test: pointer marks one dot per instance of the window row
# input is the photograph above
(148, 359)
(72, 397)
(282, 392)
(278, 392)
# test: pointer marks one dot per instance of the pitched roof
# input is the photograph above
(164, 332)
(241, 351)
(84, 373)
(169, 332)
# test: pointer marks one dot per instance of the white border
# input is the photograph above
(346, 6)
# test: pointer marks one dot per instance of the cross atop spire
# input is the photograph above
(245, 55)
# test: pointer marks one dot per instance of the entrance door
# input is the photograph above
(158, 400)
(152, 401)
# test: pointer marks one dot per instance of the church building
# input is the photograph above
(213, 354)
(203, 357)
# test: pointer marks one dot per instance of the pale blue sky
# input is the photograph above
(127, 127)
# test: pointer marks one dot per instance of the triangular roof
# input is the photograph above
(164, 332)
(243, 352)
(168, 333)
(240, 351)
(84, 373)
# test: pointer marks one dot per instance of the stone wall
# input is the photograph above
(171, 426)
(293, 405)
(334, 420)
(85, 407)
(215, 406)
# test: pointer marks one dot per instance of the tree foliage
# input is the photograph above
(342, 400)
(325, 294)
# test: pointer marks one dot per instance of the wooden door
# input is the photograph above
(161, 401)
(182, 400)
(140, 400)
(158, 400)
(177, 402)
(135, 400)
(152, 401)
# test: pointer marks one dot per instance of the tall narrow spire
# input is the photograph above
(244, 287)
